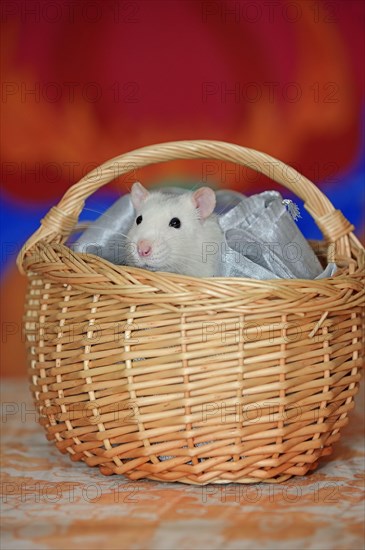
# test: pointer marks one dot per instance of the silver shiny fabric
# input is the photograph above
(262, 239)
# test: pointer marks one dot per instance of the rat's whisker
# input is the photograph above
(87, 209)
(183, 239)
(203, 250)
(186, 258)
(104, 214)
(195, 257)
(233, 201)
(116, 233)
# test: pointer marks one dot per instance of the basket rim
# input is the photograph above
(102, 275)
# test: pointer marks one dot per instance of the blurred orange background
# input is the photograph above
(85, 81)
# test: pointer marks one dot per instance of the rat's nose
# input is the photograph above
(144, 248)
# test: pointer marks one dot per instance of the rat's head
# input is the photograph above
(168, 229)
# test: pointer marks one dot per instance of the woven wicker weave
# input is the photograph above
(178, 378)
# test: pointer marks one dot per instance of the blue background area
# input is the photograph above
(20, 220)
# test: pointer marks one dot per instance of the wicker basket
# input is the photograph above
(175, 378)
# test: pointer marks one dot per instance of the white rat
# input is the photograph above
(176, 233)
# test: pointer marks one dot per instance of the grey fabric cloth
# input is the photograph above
(262, 241)
(106, 236)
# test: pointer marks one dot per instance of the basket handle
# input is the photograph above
(58, 223)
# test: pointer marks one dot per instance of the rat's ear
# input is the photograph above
(204, 200)
(138, 195)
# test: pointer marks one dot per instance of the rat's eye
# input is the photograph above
(138, 220)
(175, 222)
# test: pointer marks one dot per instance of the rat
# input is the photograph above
(175, 233)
